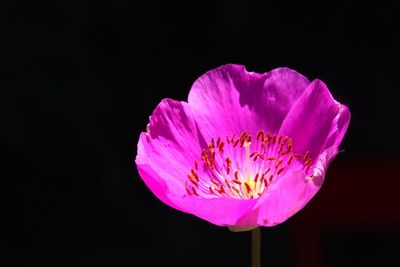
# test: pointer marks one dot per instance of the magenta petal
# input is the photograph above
(310, 119)
(290, 194)
(338, 128)
(168, 149)
(219, 211)
(155, 183)
(287, 197)
(165, 156)
(231, 100)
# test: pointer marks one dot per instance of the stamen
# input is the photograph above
(290, 159)
(221, 189)
(221, 147)
(226, 168)
(236, 190)
(194, 191)
(274, 139)
(247, 147)
(227, 183)
(211, 190)
(278, 163)
(261, 134)
(280, 170)
(308, 168)
(193, 181)
(256, 178)
(247, 188)
(215, 182)
(236, 143)
(237, 175)
(237, 182)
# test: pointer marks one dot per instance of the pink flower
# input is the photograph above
(247, 149)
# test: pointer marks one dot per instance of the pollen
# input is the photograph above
(242, 167)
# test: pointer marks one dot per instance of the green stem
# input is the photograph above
(256, 247)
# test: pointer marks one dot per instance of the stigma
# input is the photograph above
(243, 167)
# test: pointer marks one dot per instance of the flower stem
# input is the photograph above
(256, 247)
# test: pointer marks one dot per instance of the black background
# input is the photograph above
(80, 79)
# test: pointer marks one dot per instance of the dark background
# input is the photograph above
(80, 78)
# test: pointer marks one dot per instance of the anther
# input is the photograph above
(256, 157)
(280, 170)
(308, 168)
(280, 148)
(270, 178)
(194, 175)
(278, 163)
(221, 189)
(227, 183)
(194, 191)
(261, 134)
(214, 181)
(248, 188)
(211, 190)
(236, 175)
(193, 181)
(236, 190)
(290, 159)
(237, 182)
(211, 145)
(285, 139)
(263, 148)
(236, 143)
(256, 178)
(221, 147)
(274, 139)
(242, 135)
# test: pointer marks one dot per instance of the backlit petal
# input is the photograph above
(230, 99)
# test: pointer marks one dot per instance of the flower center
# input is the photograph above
(241, 168)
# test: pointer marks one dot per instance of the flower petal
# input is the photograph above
(310, 119)
(167, 151)
(219, 211)
(338, 128)
(289, 194)
(155, 184)
(231, 100)
(165, 156)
